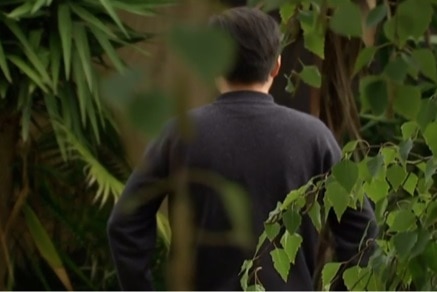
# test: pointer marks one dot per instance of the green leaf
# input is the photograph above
(431, 253)
(430, 136)
(373, 91)
(27, 70)
(397, 69)
(423, 238)
(338, 197)
(376, 190)
(426, 62)
(410, 21)
(375, 164)
(261, 241)
(245, 269)
(389, 154)
(364, 58)
(404, 243)
(92, 21)
(65, 27)
(109, 50)
(346, 173)
(28, 50)
(396, 175)
(45, 246)
(356, 278)
(313, 32)
(286, 11)
(294, 196)
(376, 15)
(411, 183)
(311, 76)
(150, 111)
(291, 244)
(405, 148)
(427, 113)
(281, 262)
(407, 101)
(347, 13)
(197, 45)
(272, 230)
(110, 9)
(430, 169)
(401, 220)
(82, 91)
(315, 216)
(4, 64)
(55, 62)
(350, 147)
(256, 287)
(292, 220)
(83, 50)
(37, 6)
(21, 10)
(409, 130)
(329, 271)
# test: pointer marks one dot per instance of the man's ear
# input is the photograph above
(276, 67)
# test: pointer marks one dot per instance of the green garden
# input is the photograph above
(86, 84)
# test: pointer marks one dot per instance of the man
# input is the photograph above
(248, 139)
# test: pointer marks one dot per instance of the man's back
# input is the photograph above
(246, 138)
(269, 150)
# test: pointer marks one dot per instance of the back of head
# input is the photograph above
(258, 41)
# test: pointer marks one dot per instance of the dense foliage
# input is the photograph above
(395, 168)
(68, 156)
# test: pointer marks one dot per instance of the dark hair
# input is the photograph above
(258, 41)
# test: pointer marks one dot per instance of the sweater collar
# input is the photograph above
(245, 96)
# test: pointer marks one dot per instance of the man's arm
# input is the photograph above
(356, 226)
(132, 224)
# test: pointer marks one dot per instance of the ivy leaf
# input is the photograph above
(396, 175)
(286, 11)
(346, 173)
(315, 216)
(311, 76)
(389, 154)
(411, 183)
(347, 13)
(350, 147)
(423, 238)
(245, 269)
(375, 164)
(427, 113)
(426, 61)
(373, 92)
(328, 273)
(313, 32)
(404, 242)
(364, 58)
(356, 278)
(409, 130)
(401, 220)
(397, 69)
(281, 262)
(291, 244)
(405, 149)
(377, 189)
(376, 15)
(338, 197)
(272, 230)
(430, 136)
(292, 220)
(407, 101)
(431, 253)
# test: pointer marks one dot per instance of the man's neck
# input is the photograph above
(263, 88)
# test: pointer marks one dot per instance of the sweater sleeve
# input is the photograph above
(132, 225)
(355, 226)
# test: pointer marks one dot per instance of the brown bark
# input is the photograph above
(9, 126)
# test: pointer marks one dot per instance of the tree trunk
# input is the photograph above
(9, 129)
